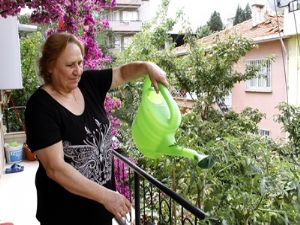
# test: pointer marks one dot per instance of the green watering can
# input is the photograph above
(154, 126)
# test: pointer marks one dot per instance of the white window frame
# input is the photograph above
(262, 82)
(130, 15)
(228, 100)
(115, 15)
(294, 5)
(117, 42)
(127, 41)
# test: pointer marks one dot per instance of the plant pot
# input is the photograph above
(28, 153)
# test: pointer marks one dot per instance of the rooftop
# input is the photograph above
(267, 30)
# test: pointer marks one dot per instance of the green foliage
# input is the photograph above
(238, 16)
(29, 53)
(203, 31)
(24, 19)
(208, 72)
(102, 37)
(147, 45)
(252, 182)
(215, 22)
(217, 125)
(29, 45)
(247, 12)
(250, 179)
(290, 118)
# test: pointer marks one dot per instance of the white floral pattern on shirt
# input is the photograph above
(94, 159)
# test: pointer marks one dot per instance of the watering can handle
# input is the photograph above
(175, 115)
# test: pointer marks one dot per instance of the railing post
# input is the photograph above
(138, 174)
(137, 199)
(6, 111)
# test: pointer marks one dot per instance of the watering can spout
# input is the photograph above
(203, 161)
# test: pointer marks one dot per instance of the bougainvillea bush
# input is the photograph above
(79, 17)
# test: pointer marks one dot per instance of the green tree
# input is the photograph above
(208, 72)
(251, 179)
(147, 45)
(215, 22)
(289, 116)
(29, 48)
(203, 31)
(24, 19)
(247, 12)
(249, 168)
(239, 17)
(242, 15)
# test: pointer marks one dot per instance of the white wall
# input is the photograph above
(10, 67)
(290, 23)
(10, 59)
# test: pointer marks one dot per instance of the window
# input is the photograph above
(264, 132)
(294, 5)
(228, 100)
(130, 16)
(263, 79)
(117, 42)
(115, 16)
(127, 41)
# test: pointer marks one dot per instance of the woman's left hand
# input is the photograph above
(156, 74)
(134, 70)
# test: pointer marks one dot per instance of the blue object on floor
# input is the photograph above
(14, 168)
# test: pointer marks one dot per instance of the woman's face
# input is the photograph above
(68, 68)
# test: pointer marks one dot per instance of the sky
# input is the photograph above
(198, 12)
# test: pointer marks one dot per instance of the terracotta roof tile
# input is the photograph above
(270, 26)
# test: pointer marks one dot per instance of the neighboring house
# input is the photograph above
(279, 81)
(125, 20)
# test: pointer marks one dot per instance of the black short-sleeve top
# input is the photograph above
(87, 146)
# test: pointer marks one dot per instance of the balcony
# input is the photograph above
(129, 3)
(154, 203)
(126, 26)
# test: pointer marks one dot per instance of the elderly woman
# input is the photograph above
(67, 128)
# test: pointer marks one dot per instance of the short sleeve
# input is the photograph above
(97, 81)
(42, 124)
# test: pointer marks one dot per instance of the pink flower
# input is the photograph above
(67, 15)
(75, 16)
(105, 24)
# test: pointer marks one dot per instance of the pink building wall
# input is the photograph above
(265, 102)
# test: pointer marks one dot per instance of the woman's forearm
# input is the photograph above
(135, 70)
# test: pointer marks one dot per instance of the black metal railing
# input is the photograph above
(153, 202)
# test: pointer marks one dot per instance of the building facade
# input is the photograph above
(278, 81)
(126, 19)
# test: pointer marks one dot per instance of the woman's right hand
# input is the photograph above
(116, 203)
